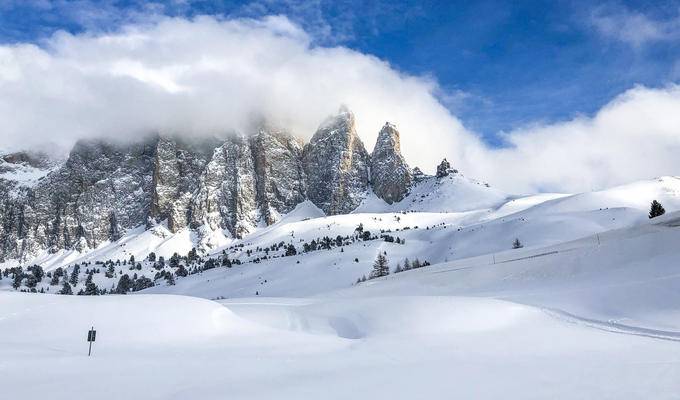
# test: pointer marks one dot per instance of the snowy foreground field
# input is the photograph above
(589, 309)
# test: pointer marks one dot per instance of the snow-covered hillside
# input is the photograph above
(598, 317)
(428, 232)
(452, 193)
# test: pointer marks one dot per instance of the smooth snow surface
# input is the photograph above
(588, 309)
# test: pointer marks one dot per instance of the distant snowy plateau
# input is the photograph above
(243, 268)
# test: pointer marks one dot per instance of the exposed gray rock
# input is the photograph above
(226, 198)
(391, 177)
(443, 169)
(280, 175)
(33, 159)
(178, 166)
(336, 164)
(104, 189)
(101, 190)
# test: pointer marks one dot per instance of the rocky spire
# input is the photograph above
(391, 177)
(443, 169)
(336, 164)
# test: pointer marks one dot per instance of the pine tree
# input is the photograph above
(91, 289)
(31, 281)
(407, 264)
(398, 269)
(226, 262)
(181, 271)
(16, 282)
(170, 279)
(290, 250)
(174, 260)
(124, 284)
(517, 244)
(142, 283)
(416, 264)
(74, 275)
(656, 210)
(37, 272)
(380, 267)
(66, 289)
(192, 254)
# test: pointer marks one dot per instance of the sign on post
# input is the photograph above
(91, 336)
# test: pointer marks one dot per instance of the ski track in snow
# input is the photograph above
(611, 326)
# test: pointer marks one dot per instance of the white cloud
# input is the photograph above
(206, 76)
(635, 136)
(209, 76)
(633, 27)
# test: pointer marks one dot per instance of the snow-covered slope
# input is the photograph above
(538, 220)
(451, 193)
(573, 320)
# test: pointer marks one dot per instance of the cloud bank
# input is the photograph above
(209, 76)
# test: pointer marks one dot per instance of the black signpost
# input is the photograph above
(91, 336)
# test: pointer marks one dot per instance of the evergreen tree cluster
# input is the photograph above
(381, 267)
(656, 210)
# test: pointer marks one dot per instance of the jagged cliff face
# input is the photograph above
(178, 166)
(280, 174)
(227, 198)
(100, 191)
(391, 177)
(336, 165)
(233, 184)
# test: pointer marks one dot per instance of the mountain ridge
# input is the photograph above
(105, 188)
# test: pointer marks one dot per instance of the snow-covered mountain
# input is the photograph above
(215, 187)
(594, 317)
(306, 252)
(269, 242)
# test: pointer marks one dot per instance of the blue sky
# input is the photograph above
(500, 65)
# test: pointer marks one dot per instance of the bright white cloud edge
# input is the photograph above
(209, 76)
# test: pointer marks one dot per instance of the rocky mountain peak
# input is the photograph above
(234, 183)
(391, 177)
(336, 164)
